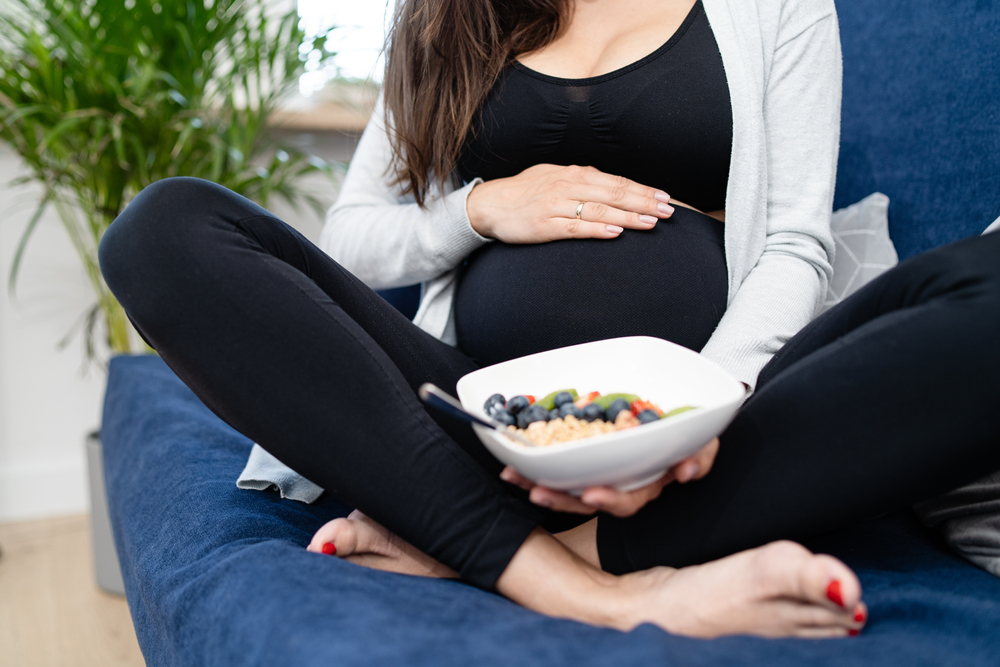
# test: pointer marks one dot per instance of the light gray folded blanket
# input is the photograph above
(263, 472)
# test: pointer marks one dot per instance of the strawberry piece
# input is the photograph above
(640, 405)
(584, 401)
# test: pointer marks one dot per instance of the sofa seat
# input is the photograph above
(216, 575)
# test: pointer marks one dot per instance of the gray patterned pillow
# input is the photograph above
(863, 247)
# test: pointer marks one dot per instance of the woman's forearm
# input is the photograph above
(380, 237)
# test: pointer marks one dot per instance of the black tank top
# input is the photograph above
(663, 121)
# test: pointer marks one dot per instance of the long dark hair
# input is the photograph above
(442, 59)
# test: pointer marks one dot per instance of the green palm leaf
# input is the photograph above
(103, 97)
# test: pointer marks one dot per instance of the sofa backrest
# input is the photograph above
(921, 115)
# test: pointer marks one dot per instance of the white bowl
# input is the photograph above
(656, 370)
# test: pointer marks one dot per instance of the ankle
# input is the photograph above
(548, 578)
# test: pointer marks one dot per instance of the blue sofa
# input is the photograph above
(218, 576)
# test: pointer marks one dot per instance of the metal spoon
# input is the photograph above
(434, 396)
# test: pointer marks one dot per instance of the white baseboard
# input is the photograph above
(41, 489)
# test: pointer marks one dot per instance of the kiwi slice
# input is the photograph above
(677, 411)
(549, 402)
(606, 400)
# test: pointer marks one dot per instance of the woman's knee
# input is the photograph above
(167, 215)
(160, 225)
(974, 263)
(986, 253)
(969, 268)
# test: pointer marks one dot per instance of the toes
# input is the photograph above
(859, 618)
(362, 541)
(826, 580)
(807, 616)
(338, 537)
(805, 619)
(355, 535)
(792, 571)
(822, 633)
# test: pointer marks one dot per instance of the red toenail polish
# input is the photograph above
(859, 616)
(329, 549)
(833, 592)
(853, 633)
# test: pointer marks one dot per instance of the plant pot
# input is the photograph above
(106, 568)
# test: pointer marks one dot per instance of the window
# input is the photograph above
(354, 30)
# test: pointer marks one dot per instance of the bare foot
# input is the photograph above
(361, 540)
(778, 590)
(788, 580)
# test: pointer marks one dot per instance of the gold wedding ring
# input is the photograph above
(579, 210)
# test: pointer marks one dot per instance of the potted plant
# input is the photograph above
(100, 98)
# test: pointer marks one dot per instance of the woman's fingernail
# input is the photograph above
(853, 633)
(615, 229)
(648, 219)
(661, 196)
(505, 475)
(834, 594)
(329, 549)
(859, 615)
(544, 502)
(665, 209)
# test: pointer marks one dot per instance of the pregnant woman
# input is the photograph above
(519, 167)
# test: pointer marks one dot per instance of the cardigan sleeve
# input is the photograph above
(801, 112)
(382, 238)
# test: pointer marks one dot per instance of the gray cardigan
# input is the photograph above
(783, 66)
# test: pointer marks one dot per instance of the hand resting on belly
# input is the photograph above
(540, 204)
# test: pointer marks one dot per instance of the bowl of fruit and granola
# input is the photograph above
(616, 412)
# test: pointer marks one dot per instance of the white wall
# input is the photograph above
(49, 398)
(47, 402)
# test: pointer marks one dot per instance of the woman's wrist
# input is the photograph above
(476, 211)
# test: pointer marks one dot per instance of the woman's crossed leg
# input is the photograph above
(884, 401)
(296, 353)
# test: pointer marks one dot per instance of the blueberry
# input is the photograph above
(516, 404)
(493, 404)
(593, 412)
(504, 417)
(562, 398)
(616, 406)
(648, 416)
(534, 413)
(554, 414)
(567, 409)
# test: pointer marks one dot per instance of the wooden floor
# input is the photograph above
(52, 614)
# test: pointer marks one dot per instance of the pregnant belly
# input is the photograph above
(669, 282)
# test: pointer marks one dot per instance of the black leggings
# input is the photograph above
(886, 400)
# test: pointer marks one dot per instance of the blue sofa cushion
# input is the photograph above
(921, 115)
(219, 576)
